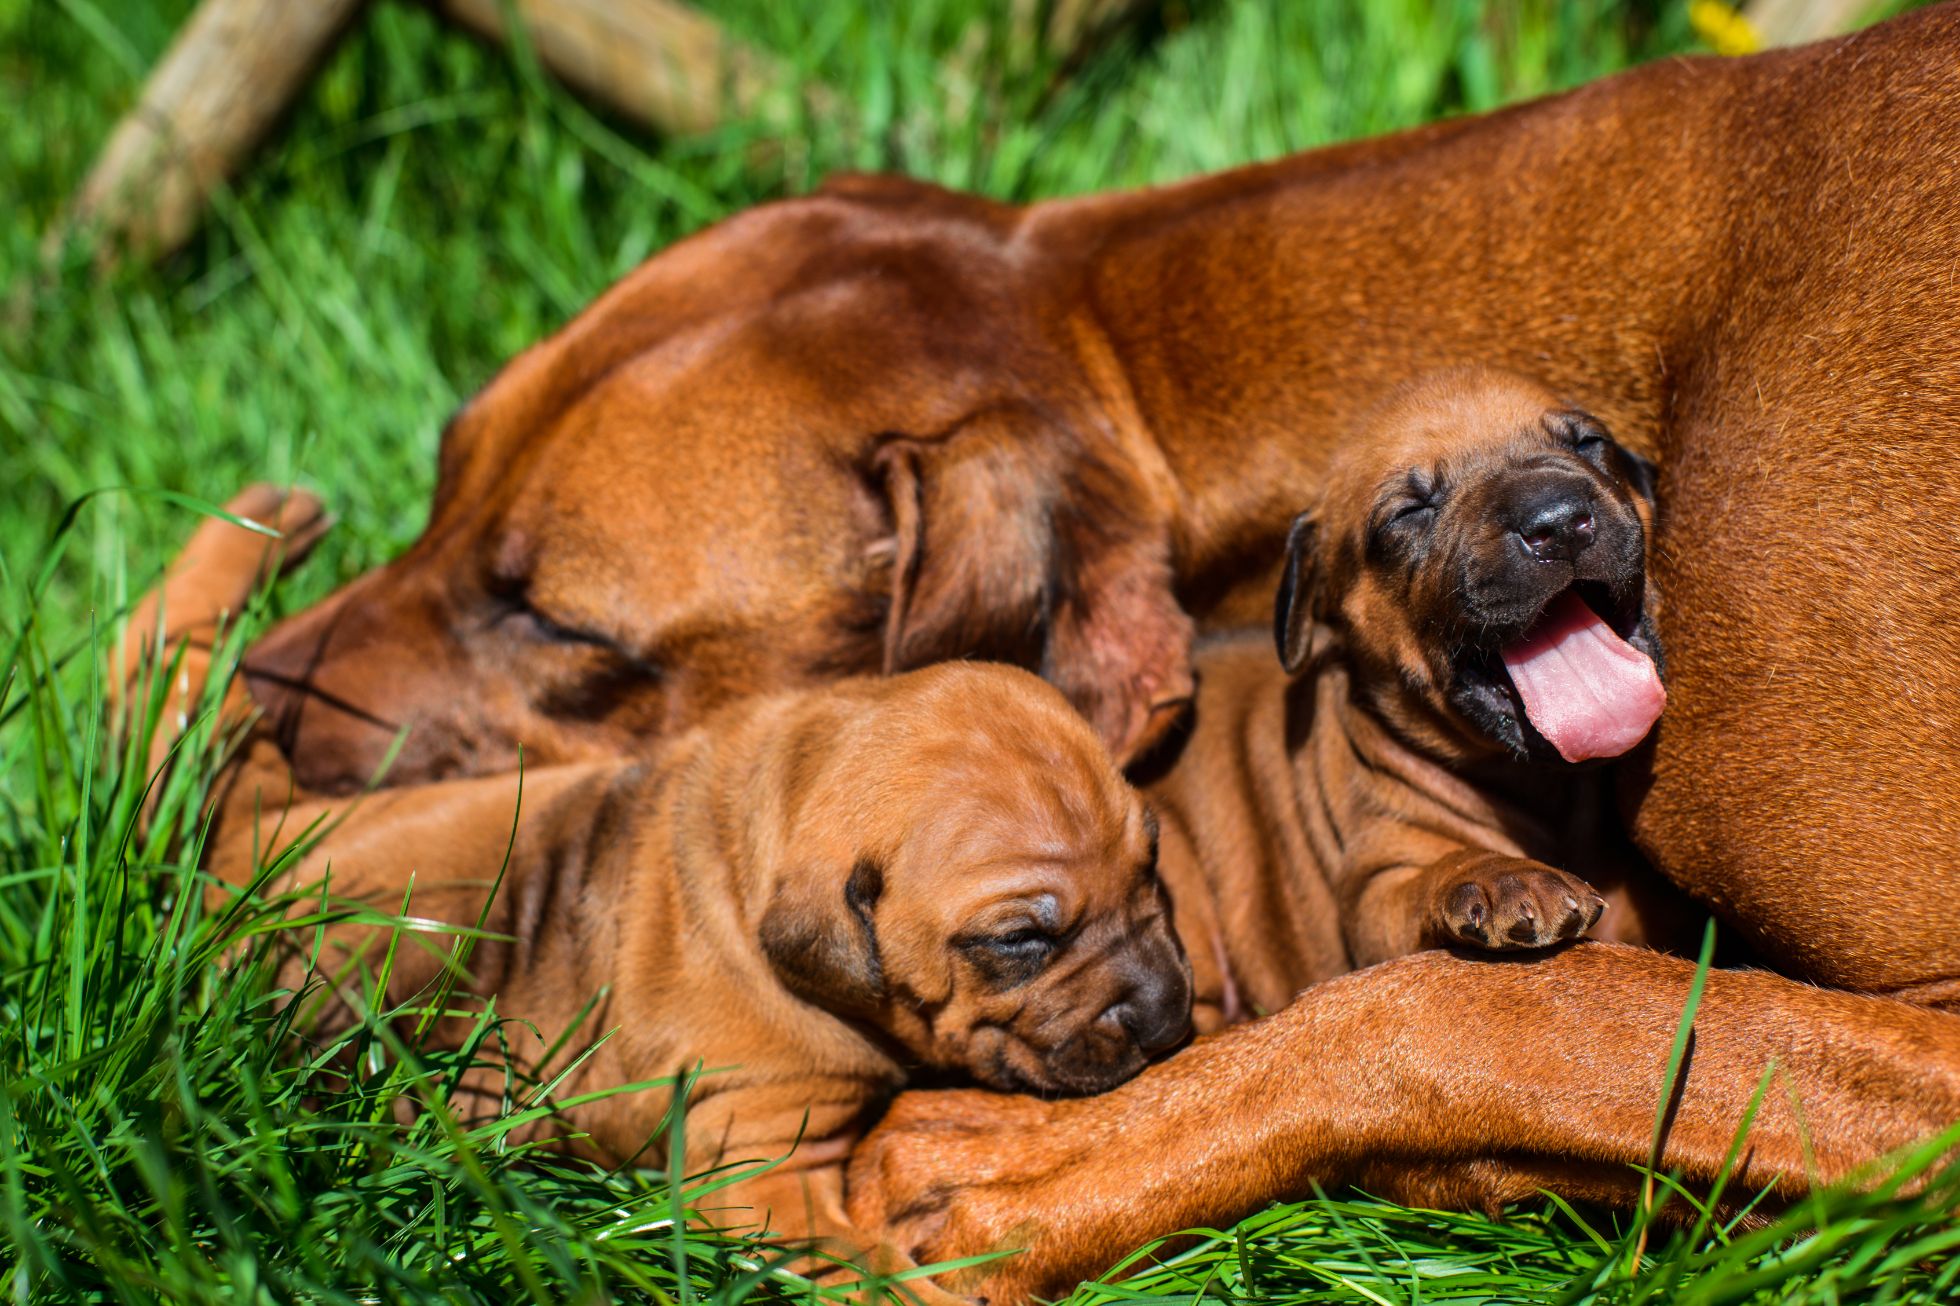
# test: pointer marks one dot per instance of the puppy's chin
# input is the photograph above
(1481, 691)
(1081, 1065)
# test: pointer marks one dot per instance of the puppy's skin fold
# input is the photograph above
(811, 896)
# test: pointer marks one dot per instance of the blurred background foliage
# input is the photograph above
(433, 204)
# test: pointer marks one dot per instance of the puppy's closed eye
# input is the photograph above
(1582, 431)
(1400, 526)
(1013, 956)
(1411, 513)
(1591, 440)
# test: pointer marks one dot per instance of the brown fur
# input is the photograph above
(889, 424)
(808, 897)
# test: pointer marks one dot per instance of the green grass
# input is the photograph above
(429, 209)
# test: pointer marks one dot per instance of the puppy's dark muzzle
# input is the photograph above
(1155, 1010)
(1148, 1013)
(1552, 531)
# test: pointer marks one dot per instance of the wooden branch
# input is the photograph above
(225, 80)
(238, 64)
(657, 61)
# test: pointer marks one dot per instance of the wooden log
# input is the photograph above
(227, 77)
(238, 64)
(658, 62)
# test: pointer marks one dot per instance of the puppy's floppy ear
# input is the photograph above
(821, 939)
(1014, 543)
(1641, 473)
(1293, 611)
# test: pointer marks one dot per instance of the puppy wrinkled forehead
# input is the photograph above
(992, 817)
(1443, 426)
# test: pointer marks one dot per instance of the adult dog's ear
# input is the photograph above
(1011, 543)
(1294, 619)
(970, 560)
(822, 939)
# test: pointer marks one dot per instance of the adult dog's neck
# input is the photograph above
(1256, 314)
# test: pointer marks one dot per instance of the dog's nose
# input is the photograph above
(1557, 522)
(336, 683)
(1157, 1010)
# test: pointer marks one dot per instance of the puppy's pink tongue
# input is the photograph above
(1587, 690)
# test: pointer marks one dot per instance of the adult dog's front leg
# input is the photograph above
(1430, 1077)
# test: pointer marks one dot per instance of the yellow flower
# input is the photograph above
(1722, 29)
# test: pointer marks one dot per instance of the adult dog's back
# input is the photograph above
(1807, 776)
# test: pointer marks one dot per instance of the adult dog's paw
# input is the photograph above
(886, 1260)
(950, 1174)
(248, 558)
(1503, 904)
(222, 563)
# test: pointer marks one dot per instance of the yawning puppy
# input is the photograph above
(810, 896)
(1469, 598)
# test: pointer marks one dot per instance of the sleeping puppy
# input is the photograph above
(812, 896)
(1470, 598)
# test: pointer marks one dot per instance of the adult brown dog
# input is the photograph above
(889, 424)
(811, 895)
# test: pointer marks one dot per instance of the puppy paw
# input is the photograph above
(210, 582)
(1504, 904)
(245, 560)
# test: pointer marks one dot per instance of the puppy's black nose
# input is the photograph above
(1555, 522)
(1157, 1011)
